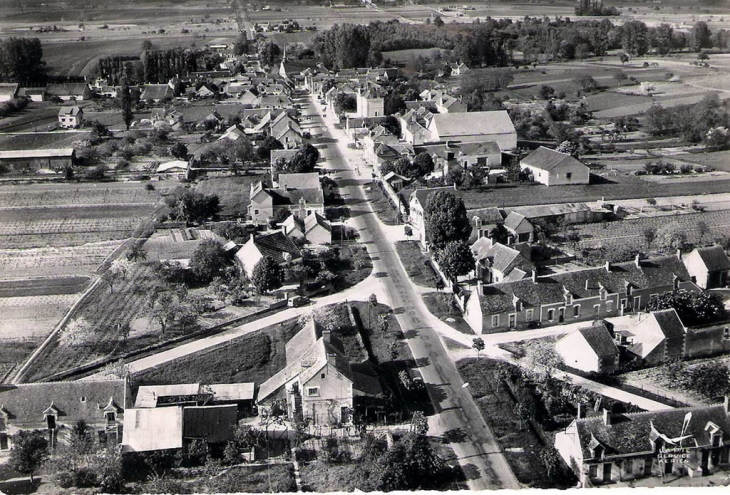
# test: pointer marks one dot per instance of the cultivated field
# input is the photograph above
(55, 261)
(627, 234)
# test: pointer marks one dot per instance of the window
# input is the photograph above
(716, 438)
(495, 320)
(609, 306)
(593, 471)
(313, 392)
(726, 333)
(111, 417)
(528, 314)
(322, 376)
(512, 320)
(551, 314)
(637, 303)
(4, 441)
(724, 454)
(256, 212)
(596, 309)
(576, 310)
(623, 303)
(569, 175)
(629, 466)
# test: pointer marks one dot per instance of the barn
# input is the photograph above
(26, 161)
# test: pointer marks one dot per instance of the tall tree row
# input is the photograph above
(21, 61)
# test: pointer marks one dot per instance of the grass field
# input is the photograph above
(252, 358)
(233, 192)
(416, 264)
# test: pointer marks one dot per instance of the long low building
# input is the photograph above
(34, 160)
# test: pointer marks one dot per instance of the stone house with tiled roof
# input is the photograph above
(317, 383)
(56, 407)
(276, 245)
(576, 295)
(708, 266)
(296, 198)
(69, 91)
(496, 262)
(483, 221)
(609, 448)
(474, 127)
(554, 168)
(590, 349)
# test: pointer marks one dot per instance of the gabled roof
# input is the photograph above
(77, 400)
(156, 92)
(656, 328)
(502, 257)
(489, 216)
(68, 89)
(299, 181)
(215, 424)
(421, 195)
(173, 165)
(714, 258)
(514, 220)
(547, 159)
(231, 391)
(72, 111)
(315, 219)
(306, 355)
(472, 123)
(275, 245)
(147, 395)
(599, 339)
(8, 89)
(482, 148)
(52, 153)
(631, 433)
(290, 197)
(153, 429)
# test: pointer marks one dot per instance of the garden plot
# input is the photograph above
(626, 235)
(175, 244)
(32, 317)
(55, 261)
(71, 195)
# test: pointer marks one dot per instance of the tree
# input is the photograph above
(540, 361)
(717, 138)
(500, 234)
(30, 450)
(392, 124)
(208, 260)
(344, 103)
(179, 151)
(546, 92)
(624, 58)
(118, 270)
(268, 51)
(423, 164)
(478, 345)
(137, 253)
(672, 236)
(303, 161)
(393, 103)
(266, 275)
(693, 308)
(649, 234)
(267, 145)
(699, 36)
(634, 37)
(438, 22)
(586, 83)
(383, 323)
(163, 311)
(703, 229)
(456, 259)
(394, 351)
(446, 219)
(193, 206)
(419, 423)
(126, 101)
(100, 131)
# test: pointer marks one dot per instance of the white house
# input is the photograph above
(709, 267)
(276, 245)
(590, 349)
(70, 117)
(553, 168)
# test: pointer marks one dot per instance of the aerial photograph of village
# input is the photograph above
(339, 245)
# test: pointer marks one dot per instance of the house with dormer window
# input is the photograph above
(317, 383)
(56, 408)
(593, 293)
(611, 447)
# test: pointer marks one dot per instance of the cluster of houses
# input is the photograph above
(317, 384)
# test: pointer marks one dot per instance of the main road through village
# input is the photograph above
(484, 464)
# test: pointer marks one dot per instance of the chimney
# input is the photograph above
(608, 266)
(480, 287)
(326, 336)
(637, 260)
(726, 405)
(679, 254)
(331, 359)
(606, 417)
(534, 276)
(454, 186)
(582, 410)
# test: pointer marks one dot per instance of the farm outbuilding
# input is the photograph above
(34, 160)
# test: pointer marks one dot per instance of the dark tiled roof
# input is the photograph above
(275, 245)
(290, 197)
(547, 159)
(669, 322)
(714, 258)
(654, 272)
(316, 219)
(156, 92)
(489, 216)
(513, 220)
(599, 338)
(490, 147)
(67, 89)
(423, 194)
(85, 400)
(630, 433)
(216, 424)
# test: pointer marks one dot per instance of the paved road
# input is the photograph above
(481, 457)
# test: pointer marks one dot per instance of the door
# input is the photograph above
(647, 467)
(607, 473)
(561, 315)
(668, 466)
(3, 441)
(512, 319)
